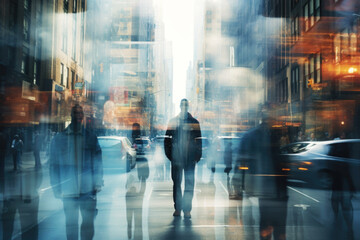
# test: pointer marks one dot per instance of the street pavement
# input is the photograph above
(129, 208)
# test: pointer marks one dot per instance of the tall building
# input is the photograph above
(42, 62)
(130, 80)
(312, 76)
(228, 80)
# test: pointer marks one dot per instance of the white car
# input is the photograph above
(117, 152)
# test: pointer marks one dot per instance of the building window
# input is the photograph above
(35, 72)
(295, 81)
(25, 61)
(66, 6)
(337, 43)
(72, 80)
(306, 17)
(74, 6)
(318, 68)
(295, 29)
(13, 15)
(62, 70)
(311, 12)
(26, 21)
(317, 10)
(26, 28)
(312, 69)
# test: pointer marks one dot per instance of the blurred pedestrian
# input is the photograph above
(228, 158)
(37, 145)
(76, 174)
(21, 196)
(17, 148)
(265, 178)
(184, 151)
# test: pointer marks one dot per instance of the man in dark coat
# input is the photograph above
(183, 149)
(76, 174)
(265, 177)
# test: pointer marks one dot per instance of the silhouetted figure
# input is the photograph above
(76, 174)
(21, 196)
(184, 151)
(265, 179)
(37, 144)
(136, 132)
(17, 148)
(228, 158)
(341, 200)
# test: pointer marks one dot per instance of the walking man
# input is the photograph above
(76, 174)
(183, 149)
(17, 147)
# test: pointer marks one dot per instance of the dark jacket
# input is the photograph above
(259, 151)
(183, 147)
(75, 163)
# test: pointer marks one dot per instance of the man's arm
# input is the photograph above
(168, 141)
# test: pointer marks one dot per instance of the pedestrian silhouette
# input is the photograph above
(265, 178)
(21, 196)
(76, 174)
(183, 149)
(17, 148)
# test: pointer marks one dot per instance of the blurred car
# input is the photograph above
(159, 140)
(117, 152)
(326, 165)
(142, 147)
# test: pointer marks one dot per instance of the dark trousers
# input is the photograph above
(87, 206)
(183, 202)
(37, 158)
(273, 218)
(16, 159)
(28, 212)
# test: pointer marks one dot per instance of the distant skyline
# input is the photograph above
(179, 29)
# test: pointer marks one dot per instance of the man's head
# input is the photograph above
(77, 114)
(184, 105)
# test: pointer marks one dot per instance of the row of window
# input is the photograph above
(312, 71)
(64, 77)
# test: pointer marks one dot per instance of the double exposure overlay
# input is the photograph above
(193, 119)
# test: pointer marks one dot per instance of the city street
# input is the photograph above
(133, 209)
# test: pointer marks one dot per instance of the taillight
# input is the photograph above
(135, 146)
(148, 146)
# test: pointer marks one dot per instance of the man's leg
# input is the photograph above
(15, 160)
(189, 188)
(71, 210)
(37, 159)
(8, 217)
(88, 213)
(176, 175)
(28, 211)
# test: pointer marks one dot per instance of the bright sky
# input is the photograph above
(179, 29)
